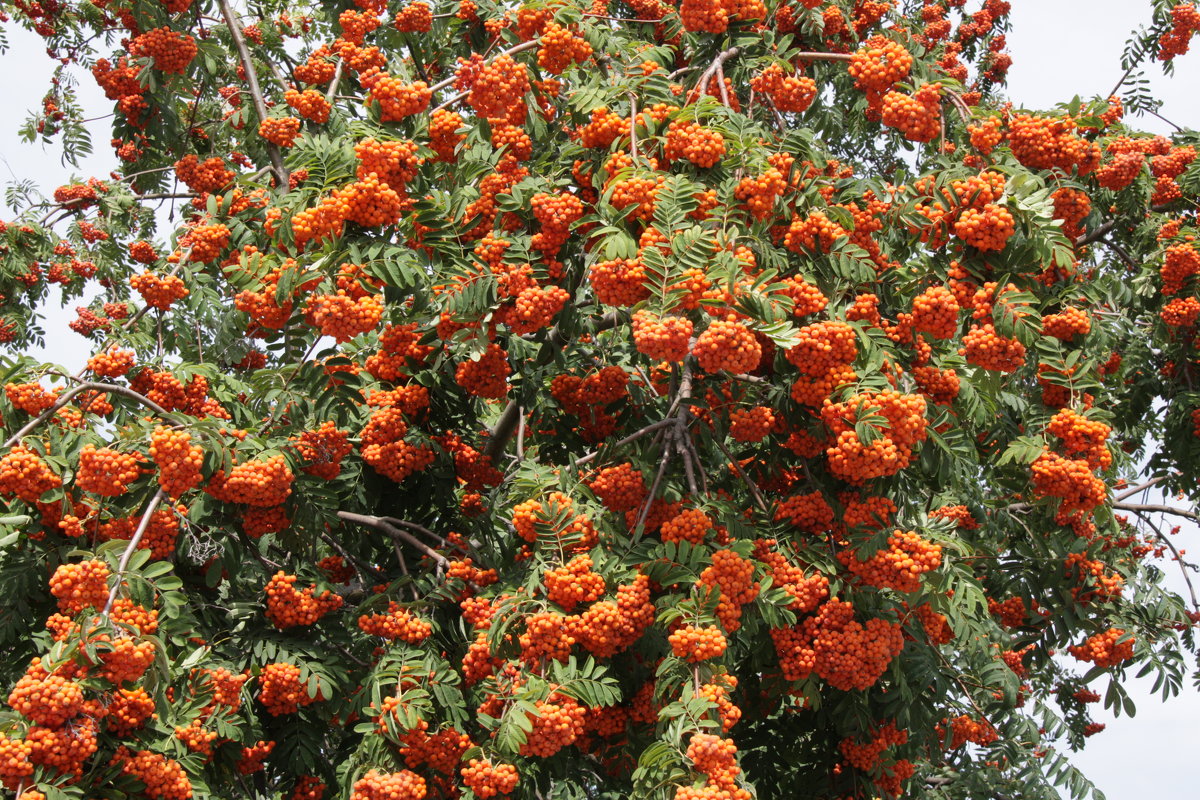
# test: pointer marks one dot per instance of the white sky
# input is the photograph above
(1060, 48)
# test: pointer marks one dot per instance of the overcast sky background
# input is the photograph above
(1060, 48)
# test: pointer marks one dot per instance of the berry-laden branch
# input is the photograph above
(1178, 557)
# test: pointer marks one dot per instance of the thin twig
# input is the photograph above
(1187, 579)
(651, 428)
(758, 499)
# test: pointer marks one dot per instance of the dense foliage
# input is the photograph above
(610, 400)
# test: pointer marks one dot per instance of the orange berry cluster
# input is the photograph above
(987, 349)
(1181, 312)
(486, 779)
(1081, 435)
(29, 397)
(396, 99)
(716, 758)
(402, 785)
(497, 89)
(604, 128)
(177, 459)
(794, 93)
(160, 293)
(210, 175)
(324, 449)
(899, 565)
(695, 644)
(727, 345)
(1051, 143)
(751, 424)
(1072, 206)
(1105, 649)
(1067, 324)
(280, 690)
(690, 524)
(1180, 262)
(110, 364)
(105, 471)
(171, 51)
(342, 317)
(559, 48)
(757, 194)
(414, 18)
(576, 533)
(1185, 23)
(621, 488)
(129, 710)
(918, 116)
(877, 65)
(287, 607)
(607, 628)
(163, 777)
(808, 512)
(46, 700)
(254, 483)
(1070, 480)
(855, 461)
(573, 583)
(281, 131)
(25, 475)
(620, 282)
(935, 312)
(986, 228)
(702, 146)
(833, 644)
(384, 449)
(559, 723)
(397, 624)
(815, 233)
(206, 242)
(807, 591)
(486, 377)
(733, 577)
(310, 104)
(80, 586)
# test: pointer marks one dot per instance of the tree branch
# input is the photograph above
(65, 398)
(1162, 509)
(382, 524)
(143, 524)
(260, 105)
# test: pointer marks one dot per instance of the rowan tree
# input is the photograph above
(590, 400)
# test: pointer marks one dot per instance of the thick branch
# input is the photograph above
(381, 524)
(133, 543)
(66, 397)
(1179, 512)
(1139, 488)
(260, 105)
